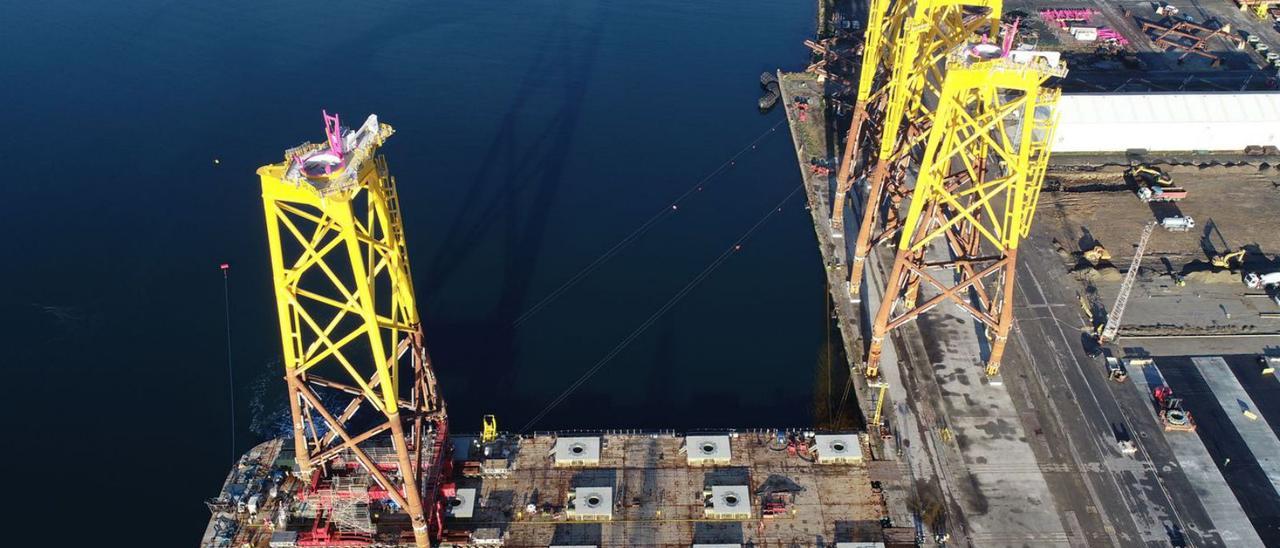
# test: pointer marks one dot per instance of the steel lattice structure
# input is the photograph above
(979, 181)
(349, 324)
(911, 53)
(883, 27)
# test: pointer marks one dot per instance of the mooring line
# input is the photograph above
(641, 230)
(653, 318)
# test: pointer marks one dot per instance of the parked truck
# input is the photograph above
(1257, 280)
(1154, 185)
(1179, 223)
(1161, 194)
(1270, 281)
(1115, 370)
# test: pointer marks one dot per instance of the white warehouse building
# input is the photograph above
(1117, 122)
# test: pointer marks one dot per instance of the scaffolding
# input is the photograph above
(349, 324)
(344, 500)
(979, 180)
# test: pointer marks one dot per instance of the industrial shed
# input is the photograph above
(1116, 122)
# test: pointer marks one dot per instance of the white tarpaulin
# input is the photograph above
(1115, 122)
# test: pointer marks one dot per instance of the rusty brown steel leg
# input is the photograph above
(303, 453)
(1005, 322)
(359, 454)
(844, 179)
(412, 496)
(904, 282)
(880, 327)
(870, 212)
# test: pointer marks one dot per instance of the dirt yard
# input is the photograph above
(1234, 207)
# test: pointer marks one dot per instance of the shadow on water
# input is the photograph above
(835, 403)
(658, 391)
(512, 191)
(512, 167)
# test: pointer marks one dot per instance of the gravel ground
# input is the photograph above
(1233, 206)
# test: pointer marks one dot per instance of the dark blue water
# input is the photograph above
(532, 136)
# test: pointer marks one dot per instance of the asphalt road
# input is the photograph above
(1235, 461)
(1143, 497)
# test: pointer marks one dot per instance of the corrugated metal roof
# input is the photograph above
(1170, 107)
(1099, 122)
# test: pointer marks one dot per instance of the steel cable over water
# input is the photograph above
(643, 228)
(626, 341)
(231, 380)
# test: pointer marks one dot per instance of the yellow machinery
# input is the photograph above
(877, 420)
(1229, 261)
(1260, 8)
(490, 431)
(917, 38)
(976, 193)
(1086, 307)
(1097, 254)
(1143, 174)
(348, 320)
(1268, 364)
(883, 27)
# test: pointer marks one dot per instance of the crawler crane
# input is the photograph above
(1112, 328)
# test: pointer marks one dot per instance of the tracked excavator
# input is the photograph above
(1228, 261)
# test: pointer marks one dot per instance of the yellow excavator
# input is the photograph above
(1097, 254)
(1153, 184)
(1229, 261)
(1145, 174)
